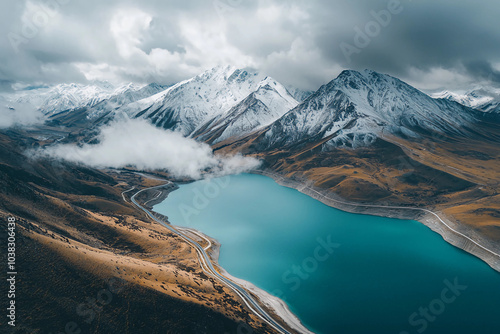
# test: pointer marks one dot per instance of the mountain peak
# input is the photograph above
(154, 85)
(221, 70)
(228, 74)
(485, 99)
(370, 82)
(367, 75)
(188, 105)
(356, 107)
(268, 81)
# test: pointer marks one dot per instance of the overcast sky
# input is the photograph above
(431, 44)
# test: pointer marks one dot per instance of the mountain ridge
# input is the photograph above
(485, 99)
(192, 105)
(356, 107)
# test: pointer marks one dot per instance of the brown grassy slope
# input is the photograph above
(52, 292)
(77, 233)
(477, 162)
(381, 173)
(459, 176)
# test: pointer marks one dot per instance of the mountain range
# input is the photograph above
(357, 107)
(357, 114)
(64, 97)
(486, 99)
(224, 97)
(227, 103)
(364, 138)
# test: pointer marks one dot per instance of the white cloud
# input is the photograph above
(128, 28)
(207, 44)
(170, 41)
(438, 78)
(139, 144)
(16, 114)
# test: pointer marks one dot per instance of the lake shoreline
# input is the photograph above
(418, 214)
(274, 305)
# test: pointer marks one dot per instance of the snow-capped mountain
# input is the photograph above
(225, 102)
(486, 99)
(64, 97)
(123, 96)
(51, 100)
(357, 107)
(269, 102)
(298, 94)
(207, 98)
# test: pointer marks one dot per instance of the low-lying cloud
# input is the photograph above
(16, 114)
(140, 144)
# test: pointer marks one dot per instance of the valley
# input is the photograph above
(363, 143)
(250, 167)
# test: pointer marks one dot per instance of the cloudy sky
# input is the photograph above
(431, 44)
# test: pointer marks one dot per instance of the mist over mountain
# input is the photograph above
(194, 166)
(486, 99)
(67, 97)
(226, 103)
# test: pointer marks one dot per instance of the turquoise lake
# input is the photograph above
(340, 272)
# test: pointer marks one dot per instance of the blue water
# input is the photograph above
(340, 272)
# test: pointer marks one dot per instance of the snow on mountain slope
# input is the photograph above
(486, 99)
(352, 110)
(299, 94)
(355, 108)
(100, 96)
(269, 102)
(63, 97)
(189, 104)
(123, 96)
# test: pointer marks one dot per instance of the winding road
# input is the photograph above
(209, 243)
(209, 269)
(250, 302)
(126, 191)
